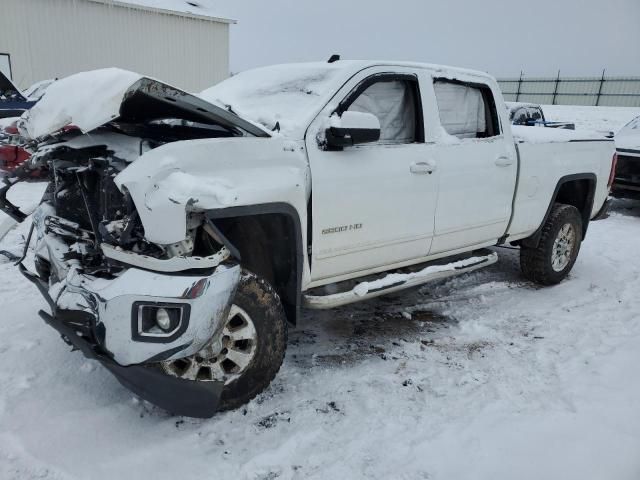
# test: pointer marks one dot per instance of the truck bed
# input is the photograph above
(546, 158)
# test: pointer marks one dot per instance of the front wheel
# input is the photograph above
(250, 351)
(552, 260)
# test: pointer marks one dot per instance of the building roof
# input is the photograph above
(201, 9)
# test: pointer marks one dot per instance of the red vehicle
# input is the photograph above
(12, 151)
(14, 103)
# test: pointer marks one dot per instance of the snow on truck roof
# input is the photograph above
(202, 9)
(291, 95)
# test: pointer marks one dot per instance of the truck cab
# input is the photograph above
(441, 142)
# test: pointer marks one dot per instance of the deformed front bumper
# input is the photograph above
(180, 397)
(99, 318)
(116, 305)
(104, 318)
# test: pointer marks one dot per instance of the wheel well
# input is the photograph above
(269, 247)
(576, 190)
(578, 193)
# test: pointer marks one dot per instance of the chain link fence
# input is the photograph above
(611, 91)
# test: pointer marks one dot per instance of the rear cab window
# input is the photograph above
(467, 110)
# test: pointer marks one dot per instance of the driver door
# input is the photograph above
(373, 205)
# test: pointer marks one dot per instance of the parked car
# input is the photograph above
(181, 234)
(532, 115)
(13, 151)
(627, 177)
(13, 103)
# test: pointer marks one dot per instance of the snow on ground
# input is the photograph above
(591, 118)
(484, 376)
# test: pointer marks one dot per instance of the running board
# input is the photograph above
(394, 282)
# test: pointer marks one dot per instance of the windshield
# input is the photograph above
(288, 95)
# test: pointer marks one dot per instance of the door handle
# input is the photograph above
(423, 168)
(504, 162)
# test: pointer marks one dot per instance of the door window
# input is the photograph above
(395, 103)
(466, 110)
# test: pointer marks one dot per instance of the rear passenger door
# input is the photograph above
(477, 166)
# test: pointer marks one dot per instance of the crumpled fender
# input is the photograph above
(211, 174)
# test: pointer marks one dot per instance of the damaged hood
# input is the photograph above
(89, 100)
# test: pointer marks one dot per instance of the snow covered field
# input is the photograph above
(481, 377)
(591, 118)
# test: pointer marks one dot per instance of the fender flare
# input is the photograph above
(295, 290)
(534, 240)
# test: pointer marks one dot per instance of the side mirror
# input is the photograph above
(352, 128)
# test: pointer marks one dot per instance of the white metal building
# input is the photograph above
(181, 42)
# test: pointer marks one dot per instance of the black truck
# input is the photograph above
(626, 183)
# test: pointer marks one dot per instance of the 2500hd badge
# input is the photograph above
(344, 228)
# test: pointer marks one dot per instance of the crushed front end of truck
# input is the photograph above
(114, 295)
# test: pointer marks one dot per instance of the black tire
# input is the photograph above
(259, 301)
(258, 298)
(537, 263)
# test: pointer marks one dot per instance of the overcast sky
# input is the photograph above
(579, 37)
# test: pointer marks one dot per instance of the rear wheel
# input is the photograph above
(552, 260)
(250, 351)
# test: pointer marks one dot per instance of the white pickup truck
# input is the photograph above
(180, 234)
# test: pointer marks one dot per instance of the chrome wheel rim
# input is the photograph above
(563, 248)
(223, 360)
